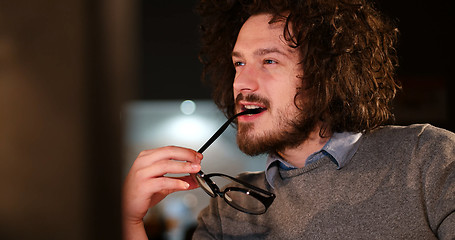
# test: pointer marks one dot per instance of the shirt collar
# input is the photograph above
(340, 148)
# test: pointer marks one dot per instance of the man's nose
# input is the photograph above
(247, 79)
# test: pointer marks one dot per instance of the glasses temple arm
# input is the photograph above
(224, 126)
(216, 135)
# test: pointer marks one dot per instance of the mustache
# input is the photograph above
(252, 98)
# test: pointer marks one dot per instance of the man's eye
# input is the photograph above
(268, 61)
(237, 64)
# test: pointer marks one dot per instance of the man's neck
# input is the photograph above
(298, 155)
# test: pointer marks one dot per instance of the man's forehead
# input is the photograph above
(265, 35)
(266, 19)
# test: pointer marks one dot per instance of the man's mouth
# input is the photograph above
(255, 109)
(251, 102)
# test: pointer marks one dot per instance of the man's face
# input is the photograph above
(267, 76)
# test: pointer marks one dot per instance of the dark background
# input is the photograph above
(67, 69)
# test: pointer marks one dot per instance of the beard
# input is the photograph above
(291, 129)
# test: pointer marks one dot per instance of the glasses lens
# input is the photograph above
(204, 185)
(244, 202)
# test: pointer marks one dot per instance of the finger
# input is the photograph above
(169, 153)
(166, 185)
(155, 186)
(192, 184)
(172, 152)
(163, 167)
(191, 181)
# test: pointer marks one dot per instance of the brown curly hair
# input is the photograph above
(347, 48)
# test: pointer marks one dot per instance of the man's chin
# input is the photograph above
(252, 151)
(254, 145)
(248, 144)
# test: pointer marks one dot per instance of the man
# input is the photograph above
(322, 74)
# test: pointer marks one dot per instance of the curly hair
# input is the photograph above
(348, 56)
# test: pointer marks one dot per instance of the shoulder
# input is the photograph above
(393, 130)
(415, 133)
(414, 129)
(430, 144)
(430, 132)
(419, 144)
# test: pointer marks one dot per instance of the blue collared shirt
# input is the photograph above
(340, 148)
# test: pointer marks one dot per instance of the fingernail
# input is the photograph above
(199, 156)
(195, 165)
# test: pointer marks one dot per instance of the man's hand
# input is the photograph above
(146, 185)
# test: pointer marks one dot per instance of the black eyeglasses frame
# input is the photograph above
(265, 197)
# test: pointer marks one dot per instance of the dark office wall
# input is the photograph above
(426, 53)
(66, 67)
(169, 43)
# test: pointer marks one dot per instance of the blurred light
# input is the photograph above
(193, 129)
(188, 107)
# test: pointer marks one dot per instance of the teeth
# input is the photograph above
(251, 107)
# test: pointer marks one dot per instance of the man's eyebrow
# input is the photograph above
(237, 54)
(263, 51)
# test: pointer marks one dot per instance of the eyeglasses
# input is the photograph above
(248, 199)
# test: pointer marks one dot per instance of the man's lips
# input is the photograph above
(250, 105)
(254, 111)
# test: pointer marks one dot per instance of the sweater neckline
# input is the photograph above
(310, 167)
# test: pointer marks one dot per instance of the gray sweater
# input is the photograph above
(400, 184)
